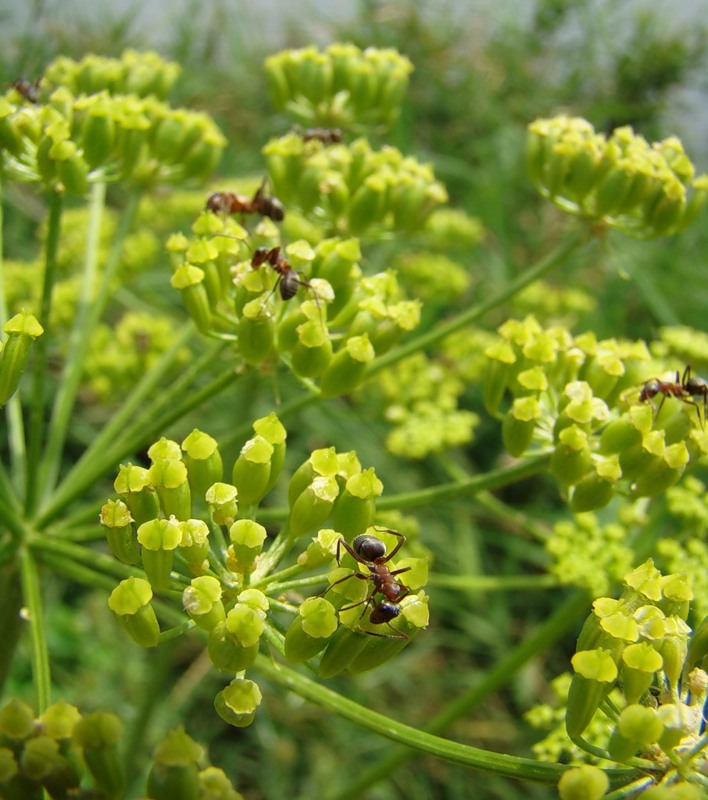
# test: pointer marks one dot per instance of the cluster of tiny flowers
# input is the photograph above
(340, 86)
(642, 644)
(352, 188)
(420, 396)
(596, 407)
(63, 753)
(103, 120)
(619, 182)
(191, 531)
(331, 336)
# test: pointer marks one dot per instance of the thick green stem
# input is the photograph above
(444, 329)
(10, 620)
(495, 583)
(33, 600)
(541, 639)
(465, 755)
(41, 353)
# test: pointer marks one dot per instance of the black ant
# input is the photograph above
(289, 281)
(371, 552)
(263, 202)
(324, 135)
(684, 388)
(28, 90)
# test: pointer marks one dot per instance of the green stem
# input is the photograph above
(494, 583)
(465, 755)
(41, 354)
(90, 309)
(101, 563)
(540, 640)
(33, 601)
(11, 622)
(444, 329)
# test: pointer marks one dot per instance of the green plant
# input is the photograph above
(306, 305)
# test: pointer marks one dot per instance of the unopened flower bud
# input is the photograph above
(174, 774)
(159, 538)
(97, 734)
(133, 485)
(237, 703)
(223, 502)
(251, 470)
(594, 677)
(313, 506)
(348, 367)
(203, 461)
(130, 601)
(21, 330)
(169, 477)
(355, 507)
(586, 782)
(120, 535)
(247, 538)
(189, 281)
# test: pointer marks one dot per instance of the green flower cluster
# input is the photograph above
(191, 531)
(682, 343)
(586, 553)
(581, 398)
(340, 86)
(352, 188)
(619, 182)
(421, 395)
(332, 336)
(63, 753)
(91, 133)
(642, 643)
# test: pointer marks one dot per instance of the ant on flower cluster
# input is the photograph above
(371, 552)
(685, 388)
(263, 202)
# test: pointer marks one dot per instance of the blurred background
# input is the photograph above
(483, 71)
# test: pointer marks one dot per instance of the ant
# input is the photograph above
(289, 281)
(263, 202)
(28, 90)
(684, 388)
(371, 552)
(324, 135)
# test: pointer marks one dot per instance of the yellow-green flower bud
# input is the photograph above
(215, 785)
(202, 601)
(321, 550)
(251, 471)
(355, 507)
(225, 652)
(203, 461)
(174, 774)
(72, 169)
(194, 546)
(311, 629)
(169, 477)
(204, 155)
(348, 367)
(519, 425)
(674, 649)
(368, 204)
(313, 506)
(586, 782)
(130, 601)
(21, 332)
(660, 473)
(698, 648)
(133, 485)
(97, 734)
(42, 761)
(189, 281)
(596, 489)
(595, 675)
(619, 436)
(116, 519)
(223, 502)
(638, 726)
(312, 352)
(256, 333)
(273, 431)
(159, 538)
(321, 462)
(572, 458)
(16, 721)
(245, 624)
(98, 133)
(640, 662)
(676, 720)
(59, 719)
(247, 538)
(164, 448)
(237, 703)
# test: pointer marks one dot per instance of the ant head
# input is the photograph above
(369, 547)
(650, 389)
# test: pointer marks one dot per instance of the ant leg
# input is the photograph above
(352, 552)
(399, 544)
(346, 578)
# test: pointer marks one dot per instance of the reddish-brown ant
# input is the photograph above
(28, 90)
(289, 281)
(263, 202)
(684, 388)
(371, 552)
(324, 135)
